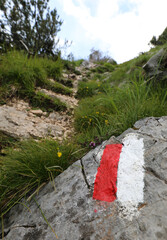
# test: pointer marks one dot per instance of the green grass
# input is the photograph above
(90, 88)
(24, 74)
(29, 165)
(56, 87)
(6, 141)
(105, 67)
(119, 108)
(47, 103)
(102, 112)
(78, 62)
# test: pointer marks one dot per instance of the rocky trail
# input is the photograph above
(19, 120)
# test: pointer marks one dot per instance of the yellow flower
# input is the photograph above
(97, 112)
(59, 154)
(90, 119)
(86, 87)
(98, 85)
(106, 122)
(85, 116)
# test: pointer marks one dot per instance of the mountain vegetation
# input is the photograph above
(29, 25)
(162, 39)
(111, 98)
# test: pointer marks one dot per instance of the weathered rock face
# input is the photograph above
(73, 214)
(21, 122)
(156, 66)
(88, 64)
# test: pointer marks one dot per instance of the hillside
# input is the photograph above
(53, 112)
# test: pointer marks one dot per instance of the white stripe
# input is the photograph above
(130, 177)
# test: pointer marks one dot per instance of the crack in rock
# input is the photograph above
(84, 175)
(155, 138)
(4, 234)
(25, 226)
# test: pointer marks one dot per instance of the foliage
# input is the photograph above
(105, 67)
(20, 76)
(58, 88)
(29, 25)
(103, 111)
(69, 65)
(98, 56)
(47, 103)
(78, 62)
(162, 39)
(29, 165)
(6, 141)
(88, 89)
(119, 109)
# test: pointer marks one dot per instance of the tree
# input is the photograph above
(162, 39)
(98, 56)
(29, 24)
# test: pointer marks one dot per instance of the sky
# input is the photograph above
(121, 29)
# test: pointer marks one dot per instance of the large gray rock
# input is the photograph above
(156, 65)
(74, 215)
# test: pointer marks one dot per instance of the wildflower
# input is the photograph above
(98, 85)
(85, 116)
(92, 144)
(86, 87)
(97, 112)
(106, 122)
(59, 154)
(90, 119)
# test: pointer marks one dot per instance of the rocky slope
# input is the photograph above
(19, 120)
(72, 213)
(64, 209)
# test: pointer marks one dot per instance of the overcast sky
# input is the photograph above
(123, 28)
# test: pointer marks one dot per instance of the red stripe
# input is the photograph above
(105, 183)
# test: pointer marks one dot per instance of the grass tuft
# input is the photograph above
(29, 165)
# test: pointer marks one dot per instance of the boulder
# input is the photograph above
(156, 65)
(88, 64)
(66, 210)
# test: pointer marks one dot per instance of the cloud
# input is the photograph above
(122, 27)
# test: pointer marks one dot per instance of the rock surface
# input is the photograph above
(18, 120)
(156, 66)
(73, 214)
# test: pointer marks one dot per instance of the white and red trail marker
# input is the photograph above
(121, 175)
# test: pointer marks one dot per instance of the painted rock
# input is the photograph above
(117, 191)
